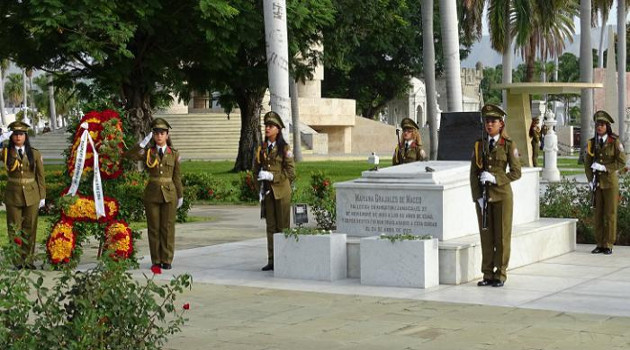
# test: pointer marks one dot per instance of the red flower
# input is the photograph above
(186, 306)
(210, 192)
(18, 241)
(156, 269)
(66, 260)
(326, 183)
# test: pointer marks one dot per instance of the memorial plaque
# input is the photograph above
(458, 132)
(300, 214)
(422, 198)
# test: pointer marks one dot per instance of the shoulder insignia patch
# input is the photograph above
(516, 154)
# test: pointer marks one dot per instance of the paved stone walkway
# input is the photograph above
(575, 301)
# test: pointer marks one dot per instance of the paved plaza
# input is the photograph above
(574, 301)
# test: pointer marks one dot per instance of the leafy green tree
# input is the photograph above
(240, 72)
(491, 76)
(134, 50)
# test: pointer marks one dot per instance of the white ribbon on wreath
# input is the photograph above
(97, 185)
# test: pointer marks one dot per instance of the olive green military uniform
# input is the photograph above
(26, 187)
(612, 156)
(534, 133)
(277, 192)
(160, 198)
(408, 152)
(496, 238)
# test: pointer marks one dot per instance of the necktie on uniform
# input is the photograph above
(406, 147)
(491, 146)
(20, 153)
(269, 148)
(160, 152)
(601, 142)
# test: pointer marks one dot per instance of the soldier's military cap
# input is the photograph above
(19, 126)
(273, 118)
(492, 111)
(408, 123)
(602, 116)
(160, 124)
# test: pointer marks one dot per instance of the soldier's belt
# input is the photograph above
(162, 180)
(21, 181)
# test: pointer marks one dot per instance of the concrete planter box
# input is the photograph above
(312, 257)
(408, 263)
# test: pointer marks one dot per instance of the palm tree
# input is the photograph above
(601, 8)
(586, 74)
(428, 60)
(621, 69)
(4, 64)
(450, 46)
(500, 18)
(543, 27)
(13, 88)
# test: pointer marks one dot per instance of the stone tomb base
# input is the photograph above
(460, 258)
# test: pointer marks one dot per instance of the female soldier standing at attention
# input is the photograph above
(410, 148)
(490, 160)
(603, 158)
(26, 188)
(164, 192)
(276, 170)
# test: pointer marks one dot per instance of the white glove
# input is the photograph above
(146, 140)
(42, 202)
(591, 185)
(5, 136)
(264, 175)
(480, 201)
(598, 167)
(180, 202)
(487, 177)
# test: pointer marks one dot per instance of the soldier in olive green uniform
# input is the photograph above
(534, 133)
(26, 188)
(410, 148)
(604, 157)
(276, 170)
(500, 152)
(164, 192)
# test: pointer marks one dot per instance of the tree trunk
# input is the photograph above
(250, 104)
(278, 59)
(295, 115)
(452, 65)
(621, 70)
(51, 103)
(138, 109)
(428, 62)
(507, 56)
(586, 76)
(25, 98)
(2, 112)
(530, 61)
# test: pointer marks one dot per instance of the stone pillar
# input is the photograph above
(550, 171)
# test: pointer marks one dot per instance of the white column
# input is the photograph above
(275, 12)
